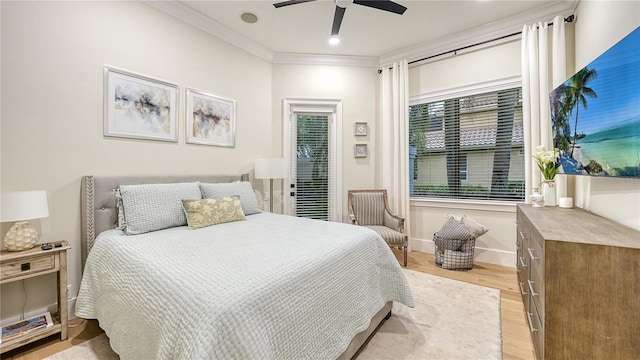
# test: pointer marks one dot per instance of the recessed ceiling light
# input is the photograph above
(334, 40)
(249, 18)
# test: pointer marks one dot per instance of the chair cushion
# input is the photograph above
(368, 207)
(389, 235)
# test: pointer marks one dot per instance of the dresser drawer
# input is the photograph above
(535, 288)
(26, 267)
(537, 331)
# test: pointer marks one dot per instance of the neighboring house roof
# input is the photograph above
(477, 136)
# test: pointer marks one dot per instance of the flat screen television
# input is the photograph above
(595, 114)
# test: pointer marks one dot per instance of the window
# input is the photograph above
(464, 165)
(468, 147)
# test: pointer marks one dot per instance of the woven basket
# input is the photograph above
(454, 254)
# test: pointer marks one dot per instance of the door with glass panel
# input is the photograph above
(310, 183)
(312, 142)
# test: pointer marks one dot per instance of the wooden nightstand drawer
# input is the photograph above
(28, 266)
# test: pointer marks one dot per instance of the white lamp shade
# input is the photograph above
(272, 168)
(23, 205)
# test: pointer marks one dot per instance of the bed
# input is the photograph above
(267, 287)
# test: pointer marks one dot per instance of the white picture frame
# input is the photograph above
(210, 119)
(139, 107)
(360, 151)
(361, 129)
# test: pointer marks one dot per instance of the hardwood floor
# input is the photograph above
(516, 341)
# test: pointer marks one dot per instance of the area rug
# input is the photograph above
(451, 320)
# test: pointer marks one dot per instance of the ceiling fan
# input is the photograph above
(385, 5)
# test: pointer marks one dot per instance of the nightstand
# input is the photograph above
(20, 265)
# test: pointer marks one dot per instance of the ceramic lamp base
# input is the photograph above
(21, 236)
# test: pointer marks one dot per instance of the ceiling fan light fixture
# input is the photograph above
(334, 40)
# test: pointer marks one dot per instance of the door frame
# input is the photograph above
(327, 106)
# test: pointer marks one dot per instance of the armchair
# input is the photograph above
(370, 208)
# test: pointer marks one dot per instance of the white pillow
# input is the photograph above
(474, 227)
(242, 189)
(151, 207)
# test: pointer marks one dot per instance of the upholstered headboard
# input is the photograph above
(98, 206)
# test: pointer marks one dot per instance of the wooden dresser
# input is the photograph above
(579, 276)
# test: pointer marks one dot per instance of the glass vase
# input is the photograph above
(549, 192)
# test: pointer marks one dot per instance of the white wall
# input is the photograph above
(599, 25)
(427, 217)
(53, 55)
(357, 88)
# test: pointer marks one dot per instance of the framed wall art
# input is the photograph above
(139, 107)
(210, 119)
(361, 129)
(360, 151)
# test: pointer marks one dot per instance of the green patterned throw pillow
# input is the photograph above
(207, 212)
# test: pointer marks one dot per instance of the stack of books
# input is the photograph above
(21, 328)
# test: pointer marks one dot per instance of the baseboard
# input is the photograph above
(491, 256)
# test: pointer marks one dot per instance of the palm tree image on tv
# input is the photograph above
(595, 114)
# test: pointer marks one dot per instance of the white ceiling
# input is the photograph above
(305, 28)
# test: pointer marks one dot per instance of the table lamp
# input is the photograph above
(20, 206)
(272, 168)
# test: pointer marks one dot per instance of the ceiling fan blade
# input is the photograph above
(337, 20)
(385, 5)
(290, 2)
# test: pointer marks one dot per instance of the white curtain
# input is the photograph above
(536, 75)
(395, 138)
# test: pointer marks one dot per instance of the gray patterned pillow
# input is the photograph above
(151, 207)
(242, 189)
(452, 229)
(457, 260)
(443, 244)
(207, 212)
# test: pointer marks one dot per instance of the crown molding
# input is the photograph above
(483, 33)
(195, 18)
(331, 60)
(486, 32)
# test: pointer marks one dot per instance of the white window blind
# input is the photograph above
(468, 147)
(312, 166)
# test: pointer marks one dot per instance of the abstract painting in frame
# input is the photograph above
(210, 119)
(139, 107)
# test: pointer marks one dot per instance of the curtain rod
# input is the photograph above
(568, 19)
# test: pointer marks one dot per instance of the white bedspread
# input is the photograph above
(270, 287)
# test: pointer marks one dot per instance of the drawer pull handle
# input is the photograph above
(522, 288)
(523, 235)
(518, 245)
(531, 323)
(522, 262)
(533, 257)
(533, 293)
(25, 267)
